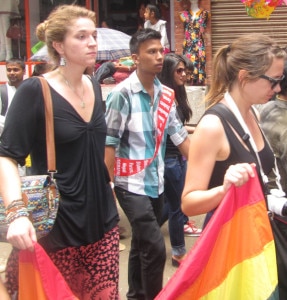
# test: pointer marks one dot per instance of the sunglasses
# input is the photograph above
(179, 71)
(273, 81)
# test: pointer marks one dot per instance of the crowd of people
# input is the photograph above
(143, 127)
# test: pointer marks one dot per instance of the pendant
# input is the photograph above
(83, 104)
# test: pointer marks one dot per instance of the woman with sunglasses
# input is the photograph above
(218, 157)
(175, 163)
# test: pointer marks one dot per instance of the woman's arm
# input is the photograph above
(21, 233)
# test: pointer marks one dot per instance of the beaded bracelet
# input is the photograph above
(18, 214)
(15, 203)
(12, 213)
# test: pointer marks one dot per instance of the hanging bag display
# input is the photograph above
(40, 193)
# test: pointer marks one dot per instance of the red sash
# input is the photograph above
(127, 167)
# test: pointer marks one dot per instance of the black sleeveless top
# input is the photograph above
(238, 154)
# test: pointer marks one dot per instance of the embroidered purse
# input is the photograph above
(40, 193)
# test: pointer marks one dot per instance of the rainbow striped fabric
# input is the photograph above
(39, 278)
(235, 256)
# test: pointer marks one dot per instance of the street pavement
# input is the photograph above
(125, 240)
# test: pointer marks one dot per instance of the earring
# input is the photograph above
(62, 61)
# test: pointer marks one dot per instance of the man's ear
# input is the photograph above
(135, 59)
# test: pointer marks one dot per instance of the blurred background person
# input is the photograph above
(173, 75)
(8, 10)
(273, 117)
(43, 68)
(153, 20)
(15, 72)
(140, 15)
(107, 23)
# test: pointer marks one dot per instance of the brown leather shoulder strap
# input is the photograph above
(50, 139)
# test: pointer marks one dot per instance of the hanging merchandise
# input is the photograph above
(261, 9)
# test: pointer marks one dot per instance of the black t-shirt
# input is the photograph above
(87, 207)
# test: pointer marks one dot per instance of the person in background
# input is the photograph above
(107, 23)
(43, 68)
(242, 77)
(140, 16)
(85, 237)
(173, 75)
(15, 72)
(111, 72)
(153, 21)
(273, 117)
(8, 10)
(135, 137)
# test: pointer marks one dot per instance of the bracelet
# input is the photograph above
(112, 185)
(14, 206)
(129, 68)
(18, 214)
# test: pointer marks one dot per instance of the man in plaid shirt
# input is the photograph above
(132, 111)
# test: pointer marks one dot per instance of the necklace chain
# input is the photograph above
(82, 104)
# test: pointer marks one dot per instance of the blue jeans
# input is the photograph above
(174, 177)
(147, 254)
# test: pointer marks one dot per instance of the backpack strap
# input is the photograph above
(4, 99)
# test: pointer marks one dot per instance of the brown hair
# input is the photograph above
(253, 53)
(57, 23)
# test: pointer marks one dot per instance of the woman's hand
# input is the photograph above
(238, 175)
(21, 234)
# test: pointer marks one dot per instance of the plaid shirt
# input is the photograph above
(132, 124)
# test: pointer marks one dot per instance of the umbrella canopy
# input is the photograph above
(112, 44)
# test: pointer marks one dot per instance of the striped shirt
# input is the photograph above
(131, 128)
